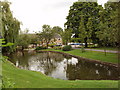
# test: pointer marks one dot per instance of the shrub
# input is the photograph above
(67, 48)
(40, 48)
(51, 45)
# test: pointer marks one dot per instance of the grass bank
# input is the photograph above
(111, 57)
(31, 79)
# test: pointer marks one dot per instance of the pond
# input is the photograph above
(63, 66)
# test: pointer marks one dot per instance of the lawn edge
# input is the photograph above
(83, 58)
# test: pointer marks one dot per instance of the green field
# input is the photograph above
(30, 79)
(95, 55)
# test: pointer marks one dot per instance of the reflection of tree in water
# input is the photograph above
(48, 61)
(89, 70)
(22, 59)
(67, 57)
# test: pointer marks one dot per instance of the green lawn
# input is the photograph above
(111, 57)
(31, 79)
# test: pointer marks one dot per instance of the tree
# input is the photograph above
(40, 38)
(75, 40)
(66, 36)
(24, 39)
(104, 33)
(83, 33)
(47, 34)
(88, 10)
(109, 25)
(10, 26)
(57, 29)
(113, 21)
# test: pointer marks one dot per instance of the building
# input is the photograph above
(57, 39)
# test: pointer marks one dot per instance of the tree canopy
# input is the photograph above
(91, 22)
(10, 26)
(78, 17)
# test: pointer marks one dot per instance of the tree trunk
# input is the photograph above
(105, 50)
(22, 48)
(47, 44)
(86, 45)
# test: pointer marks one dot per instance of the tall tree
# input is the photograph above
(85, 35)
(47, 34)
(10, 26)
(40, 38)
(86, 9)
(109, 25)
(66, 36)
(24, 39)
(112, 8)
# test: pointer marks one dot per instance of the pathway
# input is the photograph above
(110, 51)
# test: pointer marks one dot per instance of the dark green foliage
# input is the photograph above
(83, 18)
(52, 45)
(67, 48)
(46, 35)
(85, 9)
(66, 36)
(10, 26)
(57, 29)
(24, 39)
(40, 48)
(75, 40)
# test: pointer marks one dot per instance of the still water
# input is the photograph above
(63, 67)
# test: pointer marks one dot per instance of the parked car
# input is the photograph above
(76, 44)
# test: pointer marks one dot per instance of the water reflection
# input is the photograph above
(62, 66)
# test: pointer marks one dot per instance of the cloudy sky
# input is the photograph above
(34, 13)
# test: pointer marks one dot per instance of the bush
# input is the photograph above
(67, 48)
(40, 48)
(51, 45)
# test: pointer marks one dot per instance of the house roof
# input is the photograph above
(57, 35)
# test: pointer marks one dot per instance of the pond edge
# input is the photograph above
(85, 59)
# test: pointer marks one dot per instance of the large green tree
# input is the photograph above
(87, 10)
(112, 8)
(108, 32)
(10, 26)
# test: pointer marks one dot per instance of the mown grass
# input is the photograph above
(110, 57)
(31, 79)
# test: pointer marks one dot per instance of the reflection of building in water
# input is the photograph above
(73, 61)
